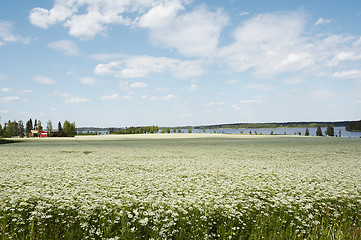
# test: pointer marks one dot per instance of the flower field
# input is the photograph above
(186, 186)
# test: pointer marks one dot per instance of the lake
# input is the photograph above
(267, 131)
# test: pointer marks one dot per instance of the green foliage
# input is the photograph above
(307, 132)
(136, 130)
(179, 130)
(319, 131)
(354, 126)
(11, 129)
(167, 130)
(330, 131)
(69, 129)
(29, 127)
(189, 130)
(49, 128)
(60, 130)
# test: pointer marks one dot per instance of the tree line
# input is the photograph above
(354, 126)
(134, 130)
(17, 129)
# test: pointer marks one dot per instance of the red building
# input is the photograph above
(36, 133)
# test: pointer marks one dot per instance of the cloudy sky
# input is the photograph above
(180, 62)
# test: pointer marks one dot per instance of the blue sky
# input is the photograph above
(172, 63)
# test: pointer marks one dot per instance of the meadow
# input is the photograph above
(186, 186)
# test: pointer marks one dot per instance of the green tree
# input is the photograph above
(179, 130)
(21, 128)
(272, 132)
(39, 127)
(204, 130)
(189, 130)
(49, 128)
(60, 130)
(174, 130)
(330, 131)
(1, 130)
(167, 130)
(69, 129)
(307, 132)
(319, 131)
(29, 127)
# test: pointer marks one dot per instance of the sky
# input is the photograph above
(118, 63)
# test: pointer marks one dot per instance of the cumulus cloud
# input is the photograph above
(88, 81)
(59, 94)
(347, 74)
(138, 85)
(212, 104)
(9, 99)
(194, 33)
(160, 98)
(66, 46)
(87, 18)
(193, 87)
(7, 35)
(116, 97)
(232, 81)
(141, 66)
(259, 87)
(44, 80)
(76, 100)
(5, 89)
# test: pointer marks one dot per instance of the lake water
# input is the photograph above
(267, 131)
(278, 131)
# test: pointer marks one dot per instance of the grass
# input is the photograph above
(186, 186)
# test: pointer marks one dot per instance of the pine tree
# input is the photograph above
(307, 132)
(21, 128)
(49, 128)
(60, 130)
(330, 131)
(29, 127)
(319, 131)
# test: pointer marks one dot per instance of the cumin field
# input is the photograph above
(196, 186)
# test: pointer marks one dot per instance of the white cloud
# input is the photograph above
(59, 94)
(88, 81)
(5, 89)
(138, 85)
(259, 87)
(212, 104)
(293, 81)
(4, 111)
(26, 91)
(44, 80)
(321, 21)
(68, 47)
(87, 18)
(347, 74)
(116, 97)
(192, 87)
(9, 99)
(193, 34)
(243, 13)
(163, 98)
(77, 100)
(269, 43)
(141, 66)
(232, 81)
(250, 101)
(7, 35)
(344, 56)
